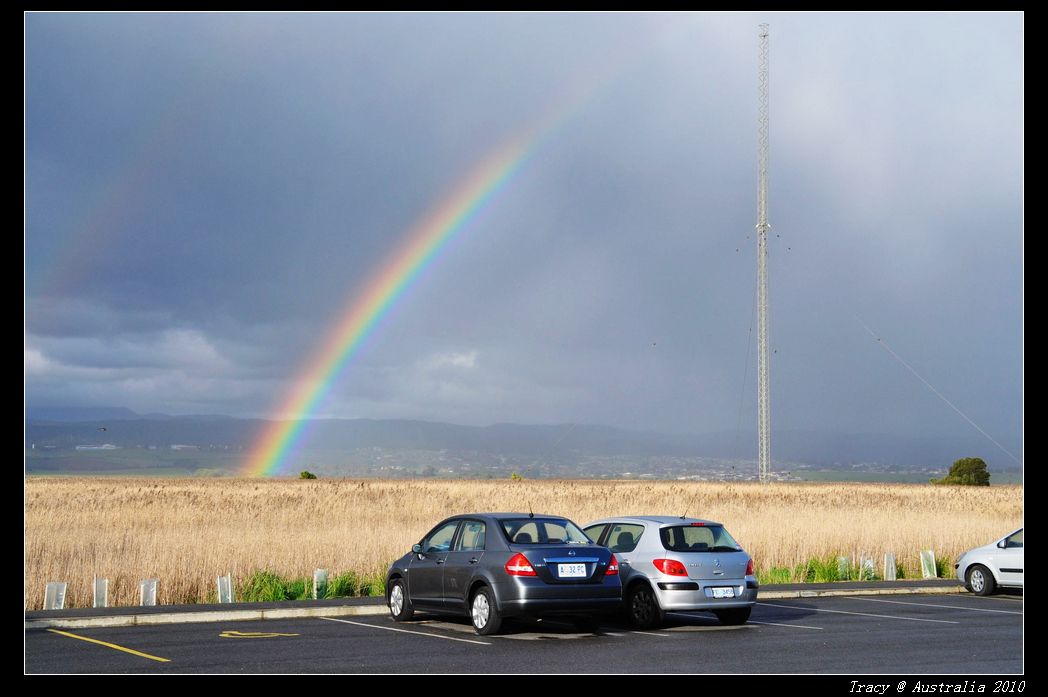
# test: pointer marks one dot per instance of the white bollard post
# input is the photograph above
(147, 592)
(320, 582)
(225, 588)
(928, 564)
(54, 595)
(866, 568)
(889, 566)
(100, 592)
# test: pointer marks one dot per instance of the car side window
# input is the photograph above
(1015, 540)
(472, 537)
(595, 531)
(624, 537)
(440, 539)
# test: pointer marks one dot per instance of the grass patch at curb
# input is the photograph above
(265, 586)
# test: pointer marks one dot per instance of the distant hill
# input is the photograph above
(72, 414)
(63, 428)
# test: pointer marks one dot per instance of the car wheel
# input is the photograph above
(643, 607)
(980, 580)
(399, 606)
(736, 615)
(482, 610)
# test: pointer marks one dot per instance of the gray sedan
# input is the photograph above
(494, 565)
(675, 563)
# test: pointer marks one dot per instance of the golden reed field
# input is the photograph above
(186, 532)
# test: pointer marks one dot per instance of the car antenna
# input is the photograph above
(531, 513)
(688, 507)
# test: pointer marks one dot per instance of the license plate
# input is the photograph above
(571, 570)
(723, 592)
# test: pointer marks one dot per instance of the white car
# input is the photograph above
(999, 563)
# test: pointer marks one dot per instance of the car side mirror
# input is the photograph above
(417, 549)
(1003, 544)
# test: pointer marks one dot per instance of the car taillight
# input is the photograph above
(613, 567)
(518, 565)
(670, 567)
(749, 567)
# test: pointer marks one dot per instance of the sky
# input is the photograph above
(206, 194)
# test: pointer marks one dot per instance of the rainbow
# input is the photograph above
(364, 313)
(423, 245)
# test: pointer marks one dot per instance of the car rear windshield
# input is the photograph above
(698, 538)
(546, 531)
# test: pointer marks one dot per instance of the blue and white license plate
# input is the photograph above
(571, 570)
(728, 592)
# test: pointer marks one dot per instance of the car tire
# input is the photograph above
(736, 615)
(399, 604)
(483, 612)
(643, 607)
(979, 580)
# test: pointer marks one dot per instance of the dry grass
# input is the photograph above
(186, 532)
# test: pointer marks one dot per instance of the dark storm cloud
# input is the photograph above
(205, 193)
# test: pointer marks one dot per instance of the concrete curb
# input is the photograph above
(829, 593)
(205, 616)
(381, 609)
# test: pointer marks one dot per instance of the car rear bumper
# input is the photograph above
(691, 594)
(532, 596)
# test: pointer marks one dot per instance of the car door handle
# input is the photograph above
(474, 560)
(440, 561)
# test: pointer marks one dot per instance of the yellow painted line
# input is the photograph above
(112, 646)
(230, 634)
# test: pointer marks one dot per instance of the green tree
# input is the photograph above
(968, 471)
(306, 474)
(516, 477)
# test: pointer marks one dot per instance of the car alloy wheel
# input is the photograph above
(980, 581)
(399, 607)
(483, 613)
(644, 608)
(481, 610)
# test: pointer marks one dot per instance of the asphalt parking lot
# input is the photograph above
(915, 633)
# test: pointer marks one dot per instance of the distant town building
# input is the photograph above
(104, 446)
(185, 447)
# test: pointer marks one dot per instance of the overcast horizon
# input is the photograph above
(205, 194)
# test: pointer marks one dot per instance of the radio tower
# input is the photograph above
(763, 398)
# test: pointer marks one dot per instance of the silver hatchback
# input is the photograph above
(672, 563)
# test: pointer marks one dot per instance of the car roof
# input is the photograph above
(658, 519)
(506, 516)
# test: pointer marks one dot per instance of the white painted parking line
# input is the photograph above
(1005, 598)
(948, 607)
(861, 614)
(613, 634)
(780, 624)
(650, 634)
(406, 631)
